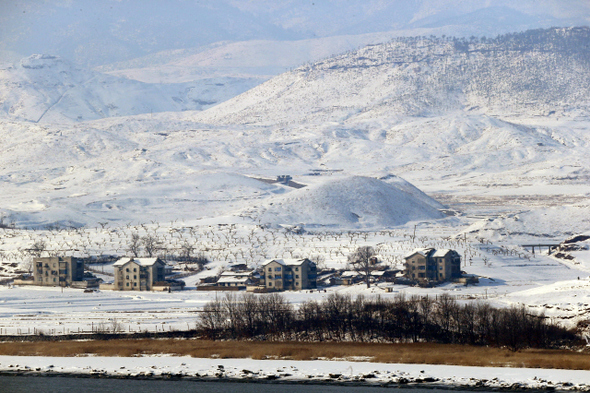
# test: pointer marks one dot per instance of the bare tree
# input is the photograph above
(319, 260)
(151, 244)
(134, 244)
(186, 250)
(363, 261)
(37, 248)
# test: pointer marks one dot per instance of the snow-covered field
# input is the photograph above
(509, 274)
(317, 371)
(382, 152)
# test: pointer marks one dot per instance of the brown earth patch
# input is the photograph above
(424, 353)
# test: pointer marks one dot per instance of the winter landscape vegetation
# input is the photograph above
(291, 130)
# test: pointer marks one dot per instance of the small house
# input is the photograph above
(236, 279)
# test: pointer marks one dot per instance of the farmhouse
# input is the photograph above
(289, 274)
(236, 279)
(138, 274)
(427, 265)
(57, 271)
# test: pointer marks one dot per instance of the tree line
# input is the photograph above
(377, 319)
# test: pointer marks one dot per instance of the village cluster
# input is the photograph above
(423, 266)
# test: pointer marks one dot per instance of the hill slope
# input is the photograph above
(536, 72)
(48, 89)
(440, 122)
(357, 201)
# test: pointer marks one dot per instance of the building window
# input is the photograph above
(297, 276)
(296, 269)
(127, 284)
(134, 284)
(127, 277)
(135, 277)
(277, 269)
(134, 269)
(270, 269)
(127, 270)
(296, 284)
(270, 284)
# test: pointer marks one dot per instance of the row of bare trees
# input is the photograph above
(399, 319)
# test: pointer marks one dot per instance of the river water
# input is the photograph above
(20, 384)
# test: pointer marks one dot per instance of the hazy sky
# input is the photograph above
(96, 32)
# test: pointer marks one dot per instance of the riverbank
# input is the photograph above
(344, 372)
(417, 353)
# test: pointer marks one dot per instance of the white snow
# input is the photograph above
(350, 201)
(309, 371)
(381, 142)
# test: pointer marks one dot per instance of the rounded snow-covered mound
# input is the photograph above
(356, 201)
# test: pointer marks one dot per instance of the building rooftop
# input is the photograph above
(441, 253)
(139, 261)
(422, 251)
(232, 280)
(288, 261)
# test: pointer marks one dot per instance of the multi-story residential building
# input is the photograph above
(427, 265)
(138, 274)
(57, 271)
(290, 274)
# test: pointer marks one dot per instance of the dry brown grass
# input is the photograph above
(387, 353)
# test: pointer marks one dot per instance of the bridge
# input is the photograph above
(540, 246)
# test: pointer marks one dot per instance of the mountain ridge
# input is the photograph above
(536, 71)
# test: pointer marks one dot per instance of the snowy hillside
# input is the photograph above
(449, 124)
(357, 201)
(48, 89)
(537, 72)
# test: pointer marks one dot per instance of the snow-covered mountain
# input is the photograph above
(465, 120)
(45, 88)
(537, 72)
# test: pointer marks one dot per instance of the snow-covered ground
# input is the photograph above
(318, 371)
(509, 275)
(497, 140)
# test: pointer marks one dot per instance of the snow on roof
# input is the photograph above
(146, 261)
(139, 261)
(279, 261)
(422, 251)
(441, 253)
(287, 261)
(122, 261)
(349, 273)
(233, 280)
(237, 274)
